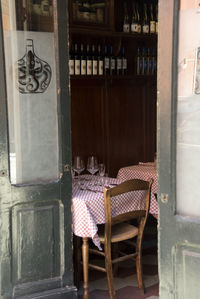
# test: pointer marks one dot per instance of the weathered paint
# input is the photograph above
(179, 243)
(35, 221)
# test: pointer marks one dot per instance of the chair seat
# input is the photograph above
(120, 232)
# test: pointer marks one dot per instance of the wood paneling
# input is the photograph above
(87, 102)
(114, 119)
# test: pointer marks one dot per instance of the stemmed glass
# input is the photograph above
(92, 165)
(102, 172)
(78, 165)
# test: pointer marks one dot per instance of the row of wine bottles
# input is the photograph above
(139, 18)
(146, 61)
(96, 60)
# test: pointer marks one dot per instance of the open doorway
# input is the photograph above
(113, 111)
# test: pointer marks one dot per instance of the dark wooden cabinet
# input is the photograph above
(114, 117)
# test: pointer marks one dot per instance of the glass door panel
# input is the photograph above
(188, 110)
(31, 91)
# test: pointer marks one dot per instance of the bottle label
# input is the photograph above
(126, 28)
(157, 27)
(112, 64)
(152, 27)
(71, 67)
(100, 67)
(139, 28)
(145, 29)
(106, 61)
(89, 67)
(119, 64)
(83, 67)
(134, 27)
(77, 67)
(124, 63)
(94, 67)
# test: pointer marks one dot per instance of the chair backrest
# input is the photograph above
(125, 187)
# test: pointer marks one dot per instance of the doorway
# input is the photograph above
(113, 115)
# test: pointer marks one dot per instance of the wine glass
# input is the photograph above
(102, 172)
(92, 165)
(78, 165)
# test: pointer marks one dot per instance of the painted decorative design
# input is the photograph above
(33, 73)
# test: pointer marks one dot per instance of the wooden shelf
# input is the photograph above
(110, 33)
(114, 77)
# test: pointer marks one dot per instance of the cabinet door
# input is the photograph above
(35, 192)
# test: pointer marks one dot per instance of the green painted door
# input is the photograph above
(35, 152)
(179, 148)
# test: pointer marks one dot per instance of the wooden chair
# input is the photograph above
(116, 229)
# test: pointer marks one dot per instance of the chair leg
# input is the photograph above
(115, 255)
(85, 268)
(139, 273)
(109, 271)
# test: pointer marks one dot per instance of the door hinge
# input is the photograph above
(164, 197)
(66, 168)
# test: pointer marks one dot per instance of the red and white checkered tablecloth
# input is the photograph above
(88, 206)
(143, 171)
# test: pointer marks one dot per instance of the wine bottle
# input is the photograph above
(144, 62)
(124, 62)
(112, 62)
(119, 64)
(149, 62)
(126, 25)
(83, 61)
(89, 61)
(139, 29)
(77, 61)
(152, 20)
(154, 62)
(94, 61)
(156, 18)
(139, 62)
(106, 62)
(134, 23)
(71, 61)
(145, 22)
(100, 62)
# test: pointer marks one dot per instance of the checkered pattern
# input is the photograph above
(88, 206)
(143, 171)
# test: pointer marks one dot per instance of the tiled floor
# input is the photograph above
(125, 281)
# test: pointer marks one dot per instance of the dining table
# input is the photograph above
(88, 211)
(143, 171)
